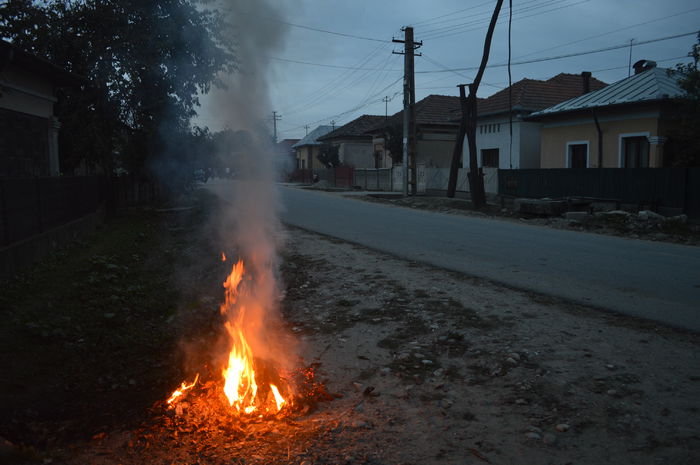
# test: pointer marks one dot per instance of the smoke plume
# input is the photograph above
(251, 228)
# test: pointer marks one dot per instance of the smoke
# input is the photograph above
(250, 224)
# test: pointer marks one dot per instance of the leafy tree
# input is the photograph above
(328, 155)
(144, 63)
(683, 145)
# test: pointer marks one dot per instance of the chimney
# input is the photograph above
(586, 78)
(643, 65)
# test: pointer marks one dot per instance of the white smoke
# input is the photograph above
(251, 227)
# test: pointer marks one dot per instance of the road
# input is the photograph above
(652, 280)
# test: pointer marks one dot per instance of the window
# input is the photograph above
(489, 158)
(577, 154)
(635, 152)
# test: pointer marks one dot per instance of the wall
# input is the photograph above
(26, 92)
(555, 136)
(435, 149)
(357, 154)
(493, 133)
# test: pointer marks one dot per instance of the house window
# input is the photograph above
(577, 154)
(635, 152)
(489, 158)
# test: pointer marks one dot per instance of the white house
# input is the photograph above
(28, 127)
(496, 149)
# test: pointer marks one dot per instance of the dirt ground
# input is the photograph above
(433, 367)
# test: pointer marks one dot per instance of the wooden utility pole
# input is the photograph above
(469, 112)
(409, 101)
(275, 118)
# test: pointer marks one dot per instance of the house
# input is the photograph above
(308, 148)
(436, 131)
(28, 126)
(285, 157)
(354, 144)
(493, 140)
(620, 126)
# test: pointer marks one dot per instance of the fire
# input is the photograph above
(184, 387)
(247, 380)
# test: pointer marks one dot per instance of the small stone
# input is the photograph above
(549, 439)
(360, 424)
(427, 362)
(612, 392)
(132, 382)
(533, 436)
(514, 356)
(357, 386)
(521, 401)
(534, 429)
(511, 361)
(562, 427)
(418, 355)
(385, 370)
(610, 366)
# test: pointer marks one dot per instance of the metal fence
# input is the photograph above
(653, 187)
(374, 179)
(30, 206)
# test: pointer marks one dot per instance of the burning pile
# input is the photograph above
(249, 386)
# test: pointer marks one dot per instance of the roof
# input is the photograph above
(432, 110)
(286, 145)
(647, 86)
(355, 128)
(532, 95)
(10, 53)
(312, 137)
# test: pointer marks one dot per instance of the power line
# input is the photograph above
(460, 30)
(289, 60)
(342, 34)
(569, 55)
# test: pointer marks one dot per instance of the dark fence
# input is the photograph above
(652, 187)
(30, 206)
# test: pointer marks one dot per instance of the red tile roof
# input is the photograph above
(432, 110)
(533, 95)
(355, 128)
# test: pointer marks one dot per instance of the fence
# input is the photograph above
(677, 188)
(375, 179)
(30, 206)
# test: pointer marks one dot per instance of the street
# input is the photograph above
(652, 280)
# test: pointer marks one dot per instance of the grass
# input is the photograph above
(85, 336)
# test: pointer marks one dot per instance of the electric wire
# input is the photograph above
(568, 55)
(342, 34)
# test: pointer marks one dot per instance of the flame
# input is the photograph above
(184, 387)
(245, 390)
(240, 381)
(223, 257)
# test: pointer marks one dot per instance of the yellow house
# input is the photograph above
(307, 149)
(620, 126)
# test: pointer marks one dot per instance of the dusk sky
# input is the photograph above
(318, 77)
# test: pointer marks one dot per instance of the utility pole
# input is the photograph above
(409, 101)
(275, 118)
(386, 101)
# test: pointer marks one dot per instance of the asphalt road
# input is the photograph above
(652, 280)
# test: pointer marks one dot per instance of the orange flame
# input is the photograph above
(223, 257)
(240, 382)
(184, 387)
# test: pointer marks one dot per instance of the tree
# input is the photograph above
(328, 155)
(683, 145)
(144, 64)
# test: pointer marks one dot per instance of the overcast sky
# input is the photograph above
(344, 77)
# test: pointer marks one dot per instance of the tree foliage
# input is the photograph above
(144, 64)
(683, 145)
(328, 155)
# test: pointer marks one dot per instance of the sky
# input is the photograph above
(335, 76)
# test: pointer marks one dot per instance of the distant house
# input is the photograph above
(285, 157)
(307, 149)
(354, 144)
(436, 131)
(622, 125)
(28, 127)
(493, 141)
